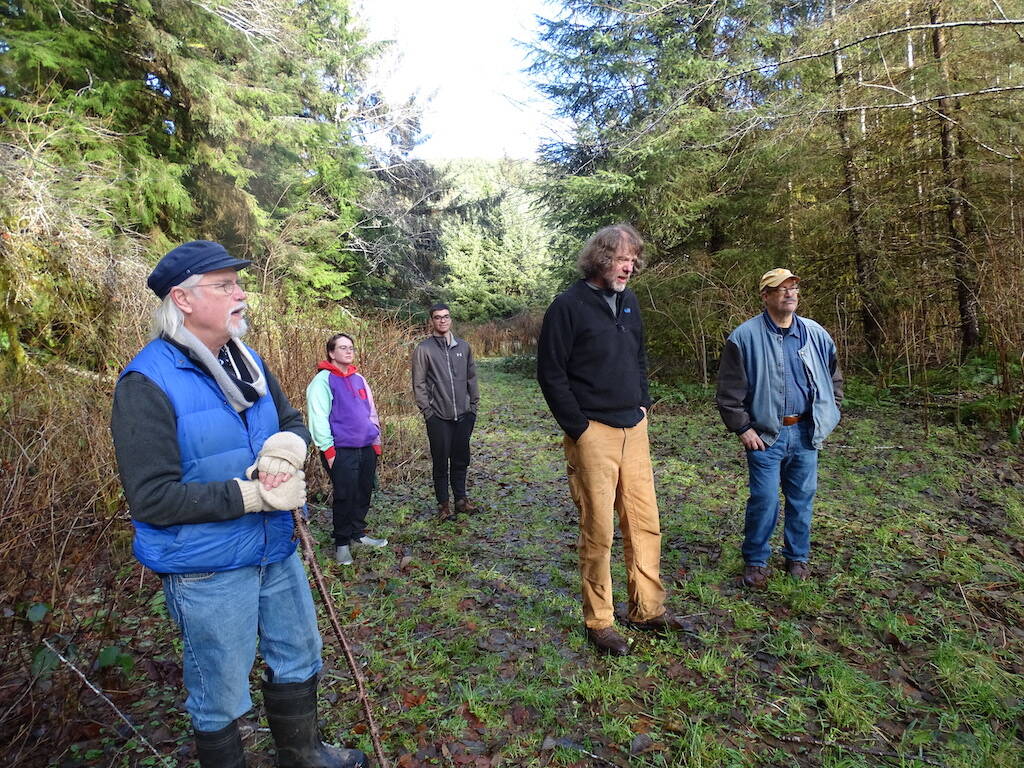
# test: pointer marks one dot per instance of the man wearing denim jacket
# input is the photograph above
(779, 390)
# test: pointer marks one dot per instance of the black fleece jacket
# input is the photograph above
(592, 364)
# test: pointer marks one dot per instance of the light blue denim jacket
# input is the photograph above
(752, 379)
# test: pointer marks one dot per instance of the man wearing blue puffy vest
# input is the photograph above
(210, 453)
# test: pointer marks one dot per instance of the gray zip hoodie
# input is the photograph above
(444, 377)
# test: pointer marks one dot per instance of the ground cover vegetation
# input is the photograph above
(904, 649)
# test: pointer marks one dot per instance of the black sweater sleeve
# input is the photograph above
(289, 418)
(553, 349)
(731, 391)
(645, 396)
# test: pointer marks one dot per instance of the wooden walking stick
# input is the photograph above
(302, 532)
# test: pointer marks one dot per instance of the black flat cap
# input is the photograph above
(193, 258)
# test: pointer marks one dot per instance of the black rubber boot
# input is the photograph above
(220, 749)
(291, 712)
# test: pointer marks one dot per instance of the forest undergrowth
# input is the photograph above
(904, 649)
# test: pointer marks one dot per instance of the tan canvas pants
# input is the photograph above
(610, 471)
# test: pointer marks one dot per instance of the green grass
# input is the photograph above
(906, 642)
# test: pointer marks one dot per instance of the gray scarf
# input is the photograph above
(231, 387)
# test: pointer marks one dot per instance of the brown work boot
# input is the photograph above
(464, 506)
(798, 570)
(608, 641)
(444, 510)
(755, 576)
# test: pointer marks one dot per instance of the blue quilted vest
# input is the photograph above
(215, 445)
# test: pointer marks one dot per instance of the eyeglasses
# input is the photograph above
(227, 287)
(784, 290)
(441, 317)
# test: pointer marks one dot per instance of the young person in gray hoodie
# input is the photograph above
(445, 388)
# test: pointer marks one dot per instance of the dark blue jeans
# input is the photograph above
(791, 462)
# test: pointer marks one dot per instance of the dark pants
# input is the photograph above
(449, 448)
(352, 476)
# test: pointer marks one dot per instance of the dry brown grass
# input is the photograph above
(498, 338)
(65, 535)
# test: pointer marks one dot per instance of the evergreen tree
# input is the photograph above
(229, 121)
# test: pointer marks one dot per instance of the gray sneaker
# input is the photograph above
(369, 541)
(343, 555)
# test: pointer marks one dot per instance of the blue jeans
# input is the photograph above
(791, 462)
(222, 614)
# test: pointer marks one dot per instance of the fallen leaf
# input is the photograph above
(413, 699)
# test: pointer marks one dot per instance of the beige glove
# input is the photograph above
(288, 495)
(282, 452)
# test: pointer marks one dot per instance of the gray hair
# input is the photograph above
(167, 318)
(599, 252)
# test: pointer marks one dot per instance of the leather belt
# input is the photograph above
(789, 421)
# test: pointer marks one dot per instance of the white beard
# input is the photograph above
(237, 328)
(241, 329)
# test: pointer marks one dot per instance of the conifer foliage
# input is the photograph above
(867, 145)
(136, 125)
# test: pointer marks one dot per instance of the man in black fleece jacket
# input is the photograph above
(592, 369)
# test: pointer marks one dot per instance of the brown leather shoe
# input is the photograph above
(798, 570)
(663, 624)
(465, 506)
(608, 641)
(755, 576)
(444, 510)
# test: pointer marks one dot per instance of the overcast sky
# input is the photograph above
(463, 55)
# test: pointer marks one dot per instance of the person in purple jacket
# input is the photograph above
(344, 424)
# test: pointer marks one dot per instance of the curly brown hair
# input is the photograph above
(599, 252)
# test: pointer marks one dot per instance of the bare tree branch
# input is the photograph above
(904, 104)
(1002, 13)
(822, 54)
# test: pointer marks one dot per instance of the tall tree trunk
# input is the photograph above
(915, 142)
(863, 262)
(956, 221)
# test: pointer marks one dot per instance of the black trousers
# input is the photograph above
(449, 449)
(352, 477)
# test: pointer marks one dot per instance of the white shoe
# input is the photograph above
(369, 541)
(343, 555)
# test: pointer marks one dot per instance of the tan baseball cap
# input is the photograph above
(773, 278)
